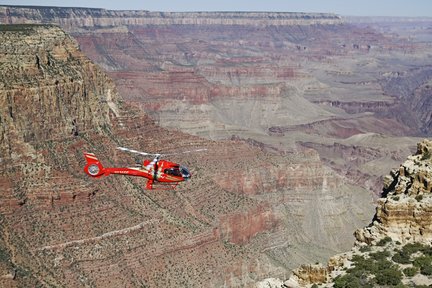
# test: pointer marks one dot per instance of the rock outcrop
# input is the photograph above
(405, 212)
(49, 91)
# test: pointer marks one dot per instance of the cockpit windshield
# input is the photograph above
(185, 172)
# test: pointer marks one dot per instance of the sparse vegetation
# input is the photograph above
(21, 27)
(410, 271)
(384, 241)
(426, 155)
(411, 248)
(422, 261)
(364, 249)
(4, 255)
(370, 272)
(380, 255)
(426, 270)
(376, 269)
(390, 276)
(419, 198)
(401, 257)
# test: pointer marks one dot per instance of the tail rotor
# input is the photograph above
(93, 168)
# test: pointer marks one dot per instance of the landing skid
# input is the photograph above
(151, 185)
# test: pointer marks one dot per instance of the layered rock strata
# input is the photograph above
(74, 19)
(405, 213)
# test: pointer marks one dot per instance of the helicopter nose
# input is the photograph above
(186, 176)
(185, 173)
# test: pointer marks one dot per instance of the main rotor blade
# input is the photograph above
(157, 154)
(137, 152)
(184, 152)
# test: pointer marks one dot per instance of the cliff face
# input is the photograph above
(56, 70)
(49, 91)
(405, 213)
(51, 94)
(412, 88)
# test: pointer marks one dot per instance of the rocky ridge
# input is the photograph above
(78, 19)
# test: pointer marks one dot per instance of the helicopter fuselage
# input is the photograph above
(160, 171)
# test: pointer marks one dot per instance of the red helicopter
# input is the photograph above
(166, 173)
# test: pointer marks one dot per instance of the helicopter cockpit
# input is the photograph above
(179, 171)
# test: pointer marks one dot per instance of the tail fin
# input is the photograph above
(93, 168)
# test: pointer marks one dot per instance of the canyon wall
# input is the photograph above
(245, 215)
(50, 74)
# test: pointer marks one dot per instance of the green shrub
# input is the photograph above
(426, 155)
(364, 249)
(411, 248)
(358, 258)
(422, 261)
(401, 257)
(419, 198)
(380, 255)
(426, 270)
(351, 281)
(384, 241)
(345, 281)
(427, 250)
(410, 271)
(361, 265)
(390, 276)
